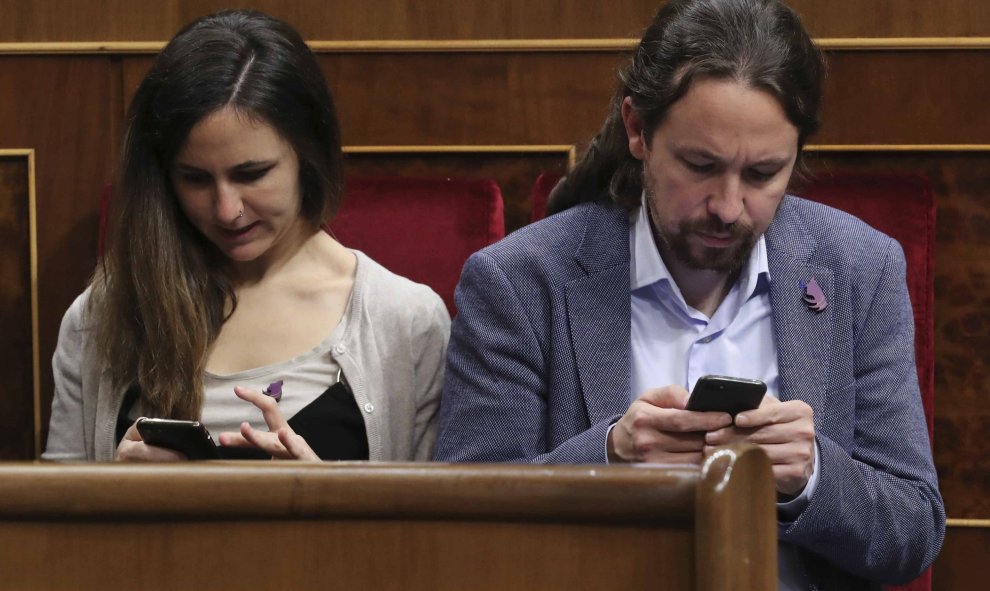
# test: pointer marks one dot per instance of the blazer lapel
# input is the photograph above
(803, 335)
(598, 313)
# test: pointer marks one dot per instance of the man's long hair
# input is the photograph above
(162, 292)
(758, 43)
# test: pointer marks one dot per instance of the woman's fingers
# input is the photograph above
(266, 404)
(296, 445)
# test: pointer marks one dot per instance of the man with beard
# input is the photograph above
(672, 253)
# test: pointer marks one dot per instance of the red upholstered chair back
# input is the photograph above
(541, 191)
(421, 228)
(901, 206)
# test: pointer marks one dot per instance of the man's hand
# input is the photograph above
(785, 431)
(656, 428)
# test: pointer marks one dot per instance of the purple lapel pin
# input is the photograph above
(814, 296)
(274, 390)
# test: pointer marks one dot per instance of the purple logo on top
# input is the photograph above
(274, 390)
(814, 296)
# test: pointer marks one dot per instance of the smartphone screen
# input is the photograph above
(726, 394)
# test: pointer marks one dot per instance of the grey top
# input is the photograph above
(391, 349)
(305, 377)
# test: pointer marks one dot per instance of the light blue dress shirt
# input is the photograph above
(672, 343)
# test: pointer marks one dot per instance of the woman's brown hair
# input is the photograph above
(162, 291)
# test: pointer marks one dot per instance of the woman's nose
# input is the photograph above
(227, 203)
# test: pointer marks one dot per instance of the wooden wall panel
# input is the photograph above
(65, 109)
(157, 20)
(460, 98)
(965, 560)
(16, 336)
(906, 97)
(872, 97)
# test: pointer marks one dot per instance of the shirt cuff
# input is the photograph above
(605, 444)
(789, 510)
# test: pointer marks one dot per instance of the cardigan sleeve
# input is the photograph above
(66, 433)
(430, 333)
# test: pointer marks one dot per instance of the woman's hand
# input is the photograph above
(281, 442)
(133, 449)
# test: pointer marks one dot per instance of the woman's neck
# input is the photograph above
(292, 250)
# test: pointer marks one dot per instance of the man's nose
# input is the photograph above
(727, 201)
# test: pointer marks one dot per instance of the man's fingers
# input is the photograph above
(646, 416)
(773, 411)
(672, 396)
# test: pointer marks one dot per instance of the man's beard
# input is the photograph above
(728, 260)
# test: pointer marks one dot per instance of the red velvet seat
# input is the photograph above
(541, 191)
(421, 228)
(901, 206)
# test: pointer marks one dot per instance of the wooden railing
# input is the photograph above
(268, 525)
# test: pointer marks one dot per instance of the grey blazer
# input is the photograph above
(539, 362)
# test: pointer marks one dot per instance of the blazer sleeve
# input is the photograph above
(495, 398)
(876, 511)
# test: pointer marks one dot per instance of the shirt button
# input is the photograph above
(340, 349)
(369, 407)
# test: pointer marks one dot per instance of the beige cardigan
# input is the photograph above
(392, 352)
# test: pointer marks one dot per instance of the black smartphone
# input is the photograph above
(725, 394)
(188, 437)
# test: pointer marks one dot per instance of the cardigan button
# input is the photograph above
(339, 349)
(369, 407)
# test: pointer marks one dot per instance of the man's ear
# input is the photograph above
(634, 129)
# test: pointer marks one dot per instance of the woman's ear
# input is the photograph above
(634, 129)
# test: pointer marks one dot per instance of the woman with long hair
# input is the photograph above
(220, 298)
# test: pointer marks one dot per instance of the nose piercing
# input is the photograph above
(240, 213)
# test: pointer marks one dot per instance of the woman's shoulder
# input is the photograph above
(381, 291)
(79, 314)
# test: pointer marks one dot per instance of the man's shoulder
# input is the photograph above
(558, 238)
(825, 229)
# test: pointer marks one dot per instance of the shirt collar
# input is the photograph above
(646, 267)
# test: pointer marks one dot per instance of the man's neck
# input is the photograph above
(703, 289)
